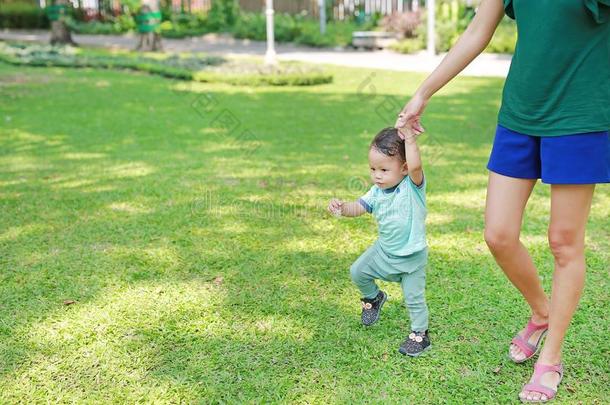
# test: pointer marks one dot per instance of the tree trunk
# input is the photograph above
(149, 41)
(60, 32)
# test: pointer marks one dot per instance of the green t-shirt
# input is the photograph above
(401, 216)
(559, 78)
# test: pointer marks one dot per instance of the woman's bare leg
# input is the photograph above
(570, 206)
(506, 200)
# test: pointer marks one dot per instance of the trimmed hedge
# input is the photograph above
(199, 68)
(297, 29)
(23, 15)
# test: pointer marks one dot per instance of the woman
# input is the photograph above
(553, 125)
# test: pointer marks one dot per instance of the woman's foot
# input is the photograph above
(527, 343)
(543, 384)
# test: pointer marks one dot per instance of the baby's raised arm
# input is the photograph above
(412, 155)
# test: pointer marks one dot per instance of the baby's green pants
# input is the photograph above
(409, 271)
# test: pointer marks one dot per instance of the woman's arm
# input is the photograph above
(470, 44)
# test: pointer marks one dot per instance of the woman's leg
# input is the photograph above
(506, 200)
(570, 206)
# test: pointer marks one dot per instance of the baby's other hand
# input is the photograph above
(408, 134)
(334, 207)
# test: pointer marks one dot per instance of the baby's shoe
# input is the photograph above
(415, 344)
(371, 307)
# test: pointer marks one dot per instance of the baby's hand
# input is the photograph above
(407, 133)
(334, 207)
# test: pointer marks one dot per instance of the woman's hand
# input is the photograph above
(409, 117)
(335, 207)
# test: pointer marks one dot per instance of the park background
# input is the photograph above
(163, 227)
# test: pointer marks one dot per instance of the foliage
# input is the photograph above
(450, 24)
(22, 15)
(223, 15)
(131, 7)
(408, 45)
(505, 37)
(448, 30)
(252, 26)
(405, 24)
(198, 67)
(97, 27)
(297, 29)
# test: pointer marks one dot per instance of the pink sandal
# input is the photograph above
(536, 386)
(522, 342)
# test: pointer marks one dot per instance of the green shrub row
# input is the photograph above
(225, 16)
(297, 29)
(22, 15)
(249, 26)
(199, 68)
(448, 32)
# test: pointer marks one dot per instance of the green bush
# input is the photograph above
(178, 26)
(170, 29)
(310, 35)
(505, 38)
(447, 34)
(409, 45)
(223, 15)
(251, 26)
(296, 29)
(23, 15)
(199, 67)
(286, 27)
(96, 28)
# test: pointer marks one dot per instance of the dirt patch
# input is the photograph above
(22, 78)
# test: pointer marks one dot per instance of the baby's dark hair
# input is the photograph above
(389, 143)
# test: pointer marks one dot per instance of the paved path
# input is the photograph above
(484, 65)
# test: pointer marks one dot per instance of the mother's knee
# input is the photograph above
(566, 244)
(499, 239)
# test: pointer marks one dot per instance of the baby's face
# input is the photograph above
(386, 171)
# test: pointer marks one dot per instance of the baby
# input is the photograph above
(400, 253)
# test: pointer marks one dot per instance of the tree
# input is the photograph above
(58, 13)
(148, 19)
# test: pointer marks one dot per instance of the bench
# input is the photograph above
(373, 39)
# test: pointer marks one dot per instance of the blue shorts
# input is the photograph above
(568, 159)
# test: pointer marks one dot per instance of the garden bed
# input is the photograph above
(195, 67)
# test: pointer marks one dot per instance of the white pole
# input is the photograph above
(431, 31)
(270, 56)
(322, 12)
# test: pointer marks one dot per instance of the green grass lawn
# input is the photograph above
(187, 222)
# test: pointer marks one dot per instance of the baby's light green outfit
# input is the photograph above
(400, 253)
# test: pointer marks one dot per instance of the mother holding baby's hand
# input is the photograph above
(553, 125)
